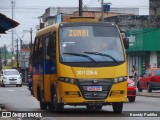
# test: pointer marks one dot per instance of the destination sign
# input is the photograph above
(79, 33)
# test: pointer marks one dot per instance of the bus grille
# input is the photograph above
(104, 84)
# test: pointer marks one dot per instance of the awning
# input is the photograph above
(6, 23)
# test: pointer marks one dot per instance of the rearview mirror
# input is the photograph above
(126, 43)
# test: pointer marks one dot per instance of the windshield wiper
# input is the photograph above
(102, 54)
(82, 55)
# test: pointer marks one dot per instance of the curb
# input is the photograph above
(152, 94)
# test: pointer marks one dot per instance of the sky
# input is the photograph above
(26, 12)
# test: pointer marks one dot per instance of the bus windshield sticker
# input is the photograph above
(79, 33)
(64, 44)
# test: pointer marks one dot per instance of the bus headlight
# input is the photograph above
(67, 80)
(120, 79)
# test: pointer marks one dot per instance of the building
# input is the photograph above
(144, 39)
(144, 51)
(154, 7)
(50, 15)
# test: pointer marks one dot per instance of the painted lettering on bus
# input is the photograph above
(78, 33)
(86, 72)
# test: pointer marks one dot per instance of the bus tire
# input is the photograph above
(42, 104)
(54, 105)
(117, 107)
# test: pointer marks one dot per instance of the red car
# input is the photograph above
(131, 90)
(150, 80)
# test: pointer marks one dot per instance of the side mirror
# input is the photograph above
(126, 43)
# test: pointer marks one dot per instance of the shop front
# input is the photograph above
(144, 49)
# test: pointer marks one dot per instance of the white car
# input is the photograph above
(10, 77)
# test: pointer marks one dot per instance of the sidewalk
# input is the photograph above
(146, 94)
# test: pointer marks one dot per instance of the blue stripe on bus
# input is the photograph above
(49, 67)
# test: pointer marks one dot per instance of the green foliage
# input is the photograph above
(5, 53)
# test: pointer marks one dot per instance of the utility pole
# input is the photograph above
(31, 38)
(5, 54)
(80, 8)
(30, 31)
(102, 11)
(17, 55)
(12, 5)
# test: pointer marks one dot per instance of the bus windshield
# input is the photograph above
(90, 43)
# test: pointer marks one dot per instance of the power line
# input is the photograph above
(90, 3)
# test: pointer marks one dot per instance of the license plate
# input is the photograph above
(12, 82)
(94, 88)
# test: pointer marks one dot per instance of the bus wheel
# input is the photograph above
(117, 107)
(43, 105)
(55, 106)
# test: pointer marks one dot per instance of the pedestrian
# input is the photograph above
(135, 72)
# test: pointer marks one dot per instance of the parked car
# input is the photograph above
(150, 80)
(131, 90)
(10, 77)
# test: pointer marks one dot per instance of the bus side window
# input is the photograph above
(46, 44)
(51, 50)
(40, 50)
(35, 51)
